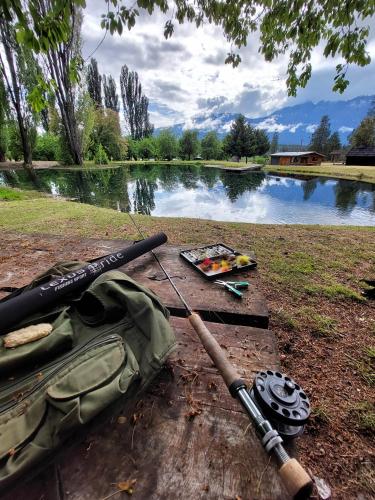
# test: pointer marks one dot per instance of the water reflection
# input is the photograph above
(189, 191)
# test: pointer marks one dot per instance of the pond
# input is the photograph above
(210, 193)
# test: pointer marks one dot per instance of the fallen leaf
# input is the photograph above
(127, 486)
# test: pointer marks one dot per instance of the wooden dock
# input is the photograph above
(239, 170)
(185, 436)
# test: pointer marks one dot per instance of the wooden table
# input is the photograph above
(185, 437)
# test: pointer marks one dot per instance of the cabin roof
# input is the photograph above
(362, 151)
(296, 153)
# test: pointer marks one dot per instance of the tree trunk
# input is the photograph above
(2, 155)
(15, 95)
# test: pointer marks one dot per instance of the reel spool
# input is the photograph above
(282, 402)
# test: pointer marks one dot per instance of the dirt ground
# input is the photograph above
(311, 278)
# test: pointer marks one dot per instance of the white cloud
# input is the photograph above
(311, 128)
(187, 72)
(345, 129)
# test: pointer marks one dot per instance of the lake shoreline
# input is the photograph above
(330, 170)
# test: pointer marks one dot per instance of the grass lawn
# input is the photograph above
(11, 194)
(311, 278)
(357, 173)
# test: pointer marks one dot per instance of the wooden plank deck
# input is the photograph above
(185, 436)
(213, 302)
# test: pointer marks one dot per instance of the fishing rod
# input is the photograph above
(296, 480)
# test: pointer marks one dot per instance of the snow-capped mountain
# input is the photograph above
(295, 124)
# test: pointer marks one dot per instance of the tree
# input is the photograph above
(211, 147)
(364, 134)
(240, 140)
(167, 145)
(100, 157)
(371, 111)
(111, 100)
(94, 82)
(85, 116)
(135, 105)
(334, 143)
(261, 143)
(147, 148)
(4, 110)
(189, 144)
(274, 143)
(63, 62)
(284, 27)
(47, 147)
(20, 76)
(319, 140)
(107, 132)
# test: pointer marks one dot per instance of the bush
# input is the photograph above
(47, 148)
(101, 157)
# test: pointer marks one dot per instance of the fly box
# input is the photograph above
(216, 261)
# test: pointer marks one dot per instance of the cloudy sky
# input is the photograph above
(186, 75)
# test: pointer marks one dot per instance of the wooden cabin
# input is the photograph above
(297, 158)
(361, 155)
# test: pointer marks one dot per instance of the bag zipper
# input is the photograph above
(54, 368)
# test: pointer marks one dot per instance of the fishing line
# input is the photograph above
(187, 308)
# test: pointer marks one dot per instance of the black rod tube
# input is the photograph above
(15, 309)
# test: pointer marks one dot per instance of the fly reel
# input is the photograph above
(282, 402)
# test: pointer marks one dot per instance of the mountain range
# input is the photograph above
(295, 124)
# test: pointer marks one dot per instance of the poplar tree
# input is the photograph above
(94, 82)
(4, 109)
(19, 71)
(63, 62)
(111, 100)
(135, 105)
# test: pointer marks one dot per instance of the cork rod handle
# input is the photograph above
(213, 349)
(296, 480)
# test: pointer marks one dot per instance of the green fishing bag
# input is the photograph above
(107, 342)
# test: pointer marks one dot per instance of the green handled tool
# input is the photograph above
(232, 286)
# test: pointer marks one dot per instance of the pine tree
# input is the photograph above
(111, 100)
(240, 140)
(319, 140)
(135, 105)
(274, 143)
(261, 142)
(334, 142)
